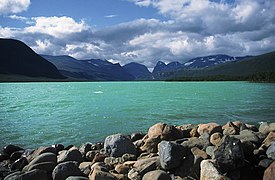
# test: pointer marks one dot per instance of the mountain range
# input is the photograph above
(18, 59)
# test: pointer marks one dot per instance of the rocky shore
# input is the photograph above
(234, 151)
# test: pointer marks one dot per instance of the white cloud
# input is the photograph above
(13, 6)
(111, 16)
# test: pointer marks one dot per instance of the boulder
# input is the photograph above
(209, 171)
(19, 164)
(9, 149)
(171, 154)
(4, 156)
(66, 169)
(129, 157)
(265, 163)
(101, 175)
(194, 132)
(46, 166)
(201, 142)
(209, 128)
(45, 157)
(70, 155)
(116, 145)
(85, 167)
(230, 129)
(112, 160)
(156, 175)
(151, 144)
(99, 158)
(77, 178)
(31, 175)
(216, 138)
(210, 151)
(90, 155)
(199, 153)
(39, 151)
(269, 172)
(136, 136)
(270, 152)
(229, 155)
(84, 148)
(268, 140)
(266, 128)
(58, 147)
(122, 169)
(165, 131)
(16, 155)
(186, 129)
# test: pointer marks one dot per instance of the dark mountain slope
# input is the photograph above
(17, 58)
(137, 70)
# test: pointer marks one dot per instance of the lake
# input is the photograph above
(36, 114)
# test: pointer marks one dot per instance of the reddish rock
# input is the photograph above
(194, 132)
(156, 175)
(165, 131)
(231, 129)
(269, 173)
(99, 157)
(268, 140)
(209, 128)
(209, 171)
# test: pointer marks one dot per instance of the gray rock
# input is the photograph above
(116, 145)
(40, 150)
(3, 156)
(171, 154)
(45, 157)
(209, 171)
(101, 175)
(70, 155)
(265, 163)
(31, 175)
(129, 157)
(248, 135)
(16, 155)
(46, 166)
(156, 175)
(229, 155)
(210, 151)
(58, 147)
(112, 160)
(77, 178)
(84, 148)
(201, 142)
(91, 154)
(266, 128)
(66, 169)
(136, 136)
(270, 152)
(186, 129)
(19, 164)
(9, 149)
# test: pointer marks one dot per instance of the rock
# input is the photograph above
(270, 152)
(3, 156)
(84, 148)
(266, 128)
(70, 155)
(165, 131)
(143, 166)
(9, 149)
(200, 142)
(91, 154)
(16, 155)
(230, 129)
(215, 138)
(171, 154)
(46, 166)
(156, 175)
(129, 157)
(39, 151)
(268, 140)
(265, 163)
(186, 129)
(151, 144)
(66, 169)
(45, 157)
(101, 175)
(58, 147)
(248, 135)
(122, 169)
(199, 153)
(209, 171)
(210, 151)
(100, 166)
(194, 132)
(85, 167)
(99, 157)
(269, 172)
(77, 178)
(19, 164)
(31, 175)
(118, 144)
(112, 160)
(229, 155)
(136, 136)
(248, 149)
(209, 128)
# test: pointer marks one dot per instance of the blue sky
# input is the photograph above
(144, 31)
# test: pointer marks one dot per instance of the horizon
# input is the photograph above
(141, 31)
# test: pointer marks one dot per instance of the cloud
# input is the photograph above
(13, 6)
(111, 16)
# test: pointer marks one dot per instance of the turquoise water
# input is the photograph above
(35, 114)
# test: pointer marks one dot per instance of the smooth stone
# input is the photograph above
(156, 175)
(45, 157)
(269, 172)
(41, 150)
(4, 156)
(16, 155)
(66, 169)
(84, 148)
(151, 144)
(116, 145)
(267, 128)
(122, 169)
(165, 131)
(31, 175)
(229, 155)
(91, 154)
(209, 128)
(19, 164)
(77, 178)
(9, 149)
(99, 157)
(58, 147)
(70, 155)
(101, 175)
(200, 142)
(136, 136)
(248, 135)
(216, 138)
(46, 166)
(85, 167)
(209, 171)
(270, 152)
(171, 154)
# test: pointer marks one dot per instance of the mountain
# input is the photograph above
(18, 59)
(93, 69)
(139, 71)
(236, 70)
(160, 67)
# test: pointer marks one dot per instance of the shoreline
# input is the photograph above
(235, 150)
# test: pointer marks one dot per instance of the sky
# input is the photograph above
(142, 31)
